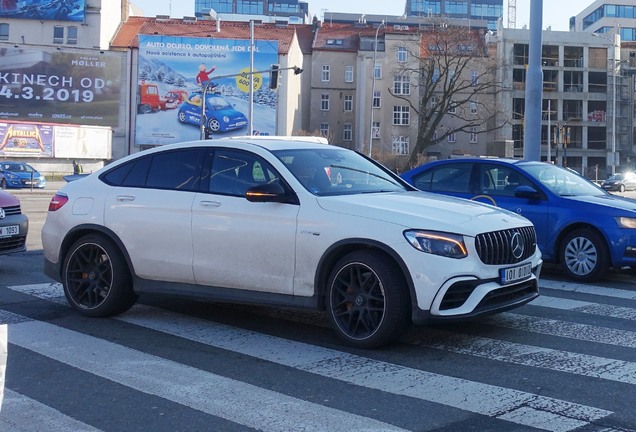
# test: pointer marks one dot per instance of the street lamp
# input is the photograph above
(615, 40)
(375, 55)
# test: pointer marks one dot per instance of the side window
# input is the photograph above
(176, 170)
(451, 178)
(500, 180)
(234, 172)
(423, 181)
(131, 174)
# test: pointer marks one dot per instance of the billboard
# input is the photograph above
(36, 140)
(172, 72)
(58, 10)
(52, 86)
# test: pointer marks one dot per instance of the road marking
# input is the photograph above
(502, 403)
(586, 307)
(588, 289)
(20, 413)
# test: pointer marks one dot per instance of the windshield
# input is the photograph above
(337, 171)
(217, 103)
(617, 177)
(561, 181)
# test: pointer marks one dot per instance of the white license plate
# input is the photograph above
(514, 274)
(10, 230)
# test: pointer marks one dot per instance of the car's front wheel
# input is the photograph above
(584, 255)
(3, 184)
(367, 300)
(96, 278)
(214, 125)
(621, 188)
(182, 116)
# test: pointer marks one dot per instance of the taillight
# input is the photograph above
(57, 202)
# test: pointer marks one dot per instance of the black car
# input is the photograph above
(620, 182)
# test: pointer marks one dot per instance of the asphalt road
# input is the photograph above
(563, 363)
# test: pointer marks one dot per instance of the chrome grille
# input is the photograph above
(12, 210)
(495, 248)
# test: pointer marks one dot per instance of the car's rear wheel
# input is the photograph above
(3, 184)
(214, 125)
(96, 278)
(145, 109)
(584, 255)
(367, 300)
(621, 188)
(182, 116)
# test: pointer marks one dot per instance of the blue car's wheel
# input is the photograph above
(214, 125)
(584, 255)
(182, 116)
(3, 184)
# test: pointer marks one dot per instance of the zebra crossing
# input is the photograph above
(581, 336)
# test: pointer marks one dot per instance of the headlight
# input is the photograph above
(226, 119)
(437, 243)
(626, 222)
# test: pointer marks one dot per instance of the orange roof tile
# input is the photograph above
(127, 34)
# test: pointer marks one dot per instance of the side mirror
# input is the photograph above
(527, 192)
(269, 192)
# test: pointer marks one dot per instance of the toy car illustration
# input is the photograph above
(221, 116)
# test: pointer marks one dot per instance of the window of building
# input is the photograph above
(473, 107)
(402, 55)
(58, 35)
(324, 129)
(456, 7)
(4, 31)
(71, 35)
(451, 137)
(452, 108)
(435, 76)
(375, 130)
(287, 8)
(401, 85)
(434, 102)
(335, 42)
(250, 7)
(325, 76)
(473, 135)
(347, 132)
(400, 145)
(324, 102)
(348, 103)
(219, 6)
(474, 77)
(377, 71)
(426, 7)
(377, 100)
(349, 74)
(401, 115)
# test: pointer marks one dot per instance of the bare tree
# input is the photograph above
(456, 85)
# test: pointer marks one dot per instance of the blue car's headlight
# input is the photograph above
(625, 222)
(226, 119)
(437, 243)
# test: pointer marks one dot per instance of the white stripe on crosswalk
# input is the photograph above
(230, 399)
(502, 403)
(20, 414)
(506, 404)
(588, 289)
(586, 307)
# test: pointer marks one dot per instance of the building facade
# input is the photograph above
(603, 16)
(291, 11)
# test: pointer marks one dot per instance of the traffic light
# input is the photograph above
(274, 76)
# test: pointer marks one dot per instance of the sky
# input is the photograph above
(556, 14)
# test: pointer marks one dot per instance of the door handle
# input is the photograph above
(210, 203)
(125, 198)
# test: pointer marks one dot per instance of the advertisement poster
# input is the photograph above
(29, 140)
(26, 140)
(172, 73)
(59, 10)
(50, 86)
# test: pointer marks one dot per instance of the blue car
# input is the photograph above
(20, 175)
(579, 225)
(221, 115)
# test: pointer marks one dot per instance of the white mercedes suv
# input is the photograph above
(288, 222)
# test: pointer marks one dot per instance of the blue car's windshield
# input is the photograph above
(335, 171)
(561, 181)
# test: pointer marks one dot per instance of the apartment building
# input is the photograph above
(603, 16)
(290, 11)
(587, 120)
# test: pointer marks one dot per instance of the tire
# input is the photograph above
(3, 184)
(584, 255)
(621, 188)
(367, 300)
(96, 278)
(214, 125)
(145, 109)
(182, 116)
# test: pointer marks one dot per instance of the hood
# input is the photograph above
(609, 201)
(423, 210)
